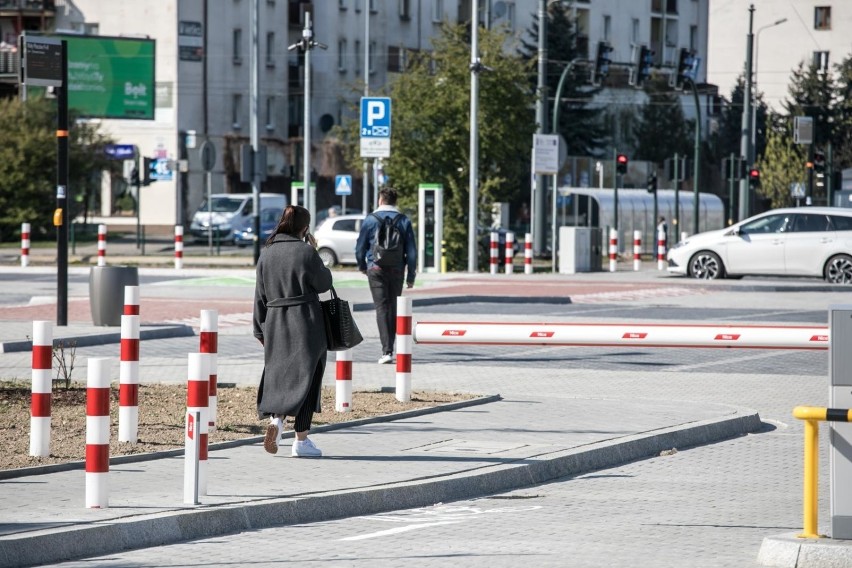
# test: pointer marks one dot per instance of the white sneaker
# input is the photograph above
(272, 437)
(386, 359)
(305, 449)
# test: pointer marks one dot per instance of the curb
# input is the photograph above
(135, 458)
(790, 551)
(159, 332)
(180, 526)
(448, 300)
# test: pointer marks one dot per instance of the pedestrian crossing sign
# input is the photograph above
(343, 185)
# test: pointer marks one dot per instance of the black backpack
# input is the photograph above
(389, 246)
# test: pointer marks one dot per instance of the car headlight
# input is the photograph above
(678, 245)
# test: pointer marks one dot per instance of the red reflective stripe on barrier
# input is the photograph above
(634, 335)
(727, 336)
(209, 342)
(454, 332)
(178, 254)
(542, 334)
(344, 371)
(197, 394)
(129, 349)
(128, 394)
(819, 338)
(97, 401)
(97, 458)
(178, 238)
(214, 379)
(42, 356)
(403, 363)
(202, 451)
(131, 309)
(403, 325)
(40, 405)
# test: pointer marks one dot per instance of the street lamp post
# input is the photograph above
(754, 84)
(746, 149)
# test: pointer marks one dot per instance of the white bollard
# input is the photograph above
(25, 244)
(209, 338)
(131, 300)
(343, 381)
(494, 252)
(661, 249)
(613, 250)
(42, 388)
(510, 252)
(637, 250)
(404, 344)
(178, 247)
(128, 379)
(102, 234)
(195, 435)
(97, 433)
(528, 253)
(683, 236)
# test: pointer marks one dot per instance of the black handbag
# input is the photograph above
(341, 332)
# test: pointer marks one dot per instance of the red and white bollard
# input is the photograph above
(25, 244)
(343, 381)
(128, 378)
(195, 435)
(209, 337)
(528, 253)
(42, 388)
(102, 234)
(178, 246)
(510, 251)
(97, 433)
(683, 236)
(613, 250)
(661, 249)
(494, 252)
(404, 344)
(131, 300)
(637, 250)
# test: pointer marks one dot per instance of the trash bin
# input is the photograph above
(106, 292)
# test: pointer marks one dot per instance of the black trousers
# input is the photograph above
(306, 413)
(386, 287)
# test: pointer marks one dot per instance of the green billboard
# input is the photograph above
(111, 77)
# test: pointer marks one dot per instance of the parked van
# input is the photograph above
(231, 213)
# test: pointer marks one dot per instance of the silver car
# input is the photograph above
(336, 238)
(802, 241)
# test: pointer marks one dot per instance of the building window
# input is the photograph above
(373, 9)
(635, 31)
(822, 18)
(404, 9)
(693, 38)
(341, 55)
(505, 13)
(357, 69)
(358, 6)
(821, 60)
(607, 27)
(270, 49)
(236, 110)
(438, 11)
(372, 57)
(270, 113)
(238, 46)
(342, 5)
(394, 63)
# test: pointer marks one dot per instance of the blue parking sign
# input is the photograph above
(375, 117)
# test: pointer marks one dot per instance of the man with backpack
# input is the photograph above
(385, 247)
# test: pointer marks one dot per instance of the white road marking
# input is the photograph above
(397, 530)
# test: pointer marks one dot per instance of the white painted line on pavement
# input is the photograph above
(397, 530)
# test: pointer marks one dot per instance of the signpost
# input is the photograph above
(375, 134)
(343, 187)
(207, 153)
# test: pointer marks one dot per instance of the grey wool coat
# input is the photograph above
(290, 275)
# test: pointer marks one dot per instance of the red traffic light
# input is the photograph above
(754, 173)
(621, 159)
(621, 163)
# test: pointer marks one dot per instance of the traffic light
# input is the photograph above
(148, 165)
(621, 163)
(754, 178)
(819, 161)
(686, 64)
(652, 182)
(734, 169)
(602, 62)
(644, 65)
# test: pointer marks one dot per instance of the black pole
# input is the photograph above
(61, 217)
(677, 174)
(732, 174)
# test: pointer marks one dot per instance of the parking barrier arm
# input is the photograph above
(812, 416)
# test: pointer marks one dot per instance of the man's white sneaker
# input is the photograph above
(305, 449)
(385, 359)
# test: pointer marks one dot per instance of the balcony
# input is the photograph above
(15, 7)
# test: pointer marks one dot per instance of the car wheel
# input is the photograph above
(328, 257)
(838, 269)
(706, 265)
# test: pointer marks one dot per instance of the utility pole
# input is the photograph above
(365, 200)
(473, 193)
(61, 218)
(746, 148)
(541, 122)
(254, 62)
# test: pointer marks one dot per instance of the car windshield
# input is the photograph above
(222, 205)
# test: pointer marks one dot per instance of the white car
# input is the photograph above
(802, 241)
(336, 238)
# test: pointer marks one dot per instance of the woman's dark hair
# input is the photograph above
(294, 220)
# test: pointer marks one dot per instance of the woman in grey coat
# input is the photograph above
(288, 322)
